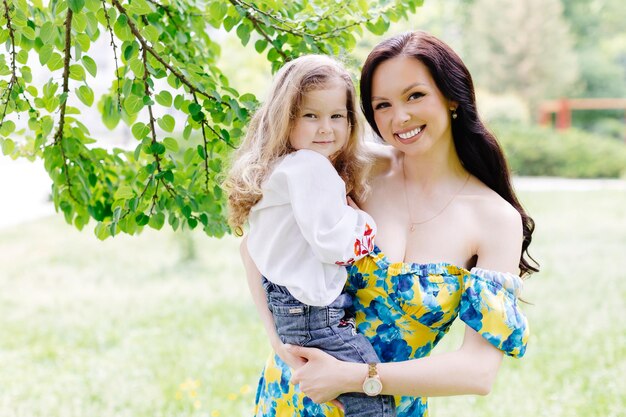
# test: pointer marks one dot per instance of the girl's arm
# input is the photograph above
(258, 296)
(471, 369)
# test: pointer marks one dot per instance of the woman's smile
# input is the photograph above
(410, 136)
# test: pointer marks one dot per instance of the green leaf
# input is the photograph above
(110, 112)
(171, 144)
(168, 175)
(93, 5)
(136, 66)
(77, 72)
(90, 65)
(122, 30)
(189, 155)
(157, 148)
(167, 123)
(230, 22)
(218, 10)
(142, 219)
(76, 5)
(140, 130)
(243, 32)
(194, 108)
(26, 74)
(151, 34)
(133, 104)
(156, 221)
(45, 53)
(83, 41)
(201, 151)
(85, 94)
(7, 146)
(164, 98)
(187, 132)
(102, 231)
(7, 128)
(55, 62)
(46, 32)
(260, 45)
(124, 192)
(139, 7)
(28, 33)
(22, 56)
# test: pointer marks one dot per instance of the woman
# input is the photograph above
(452, 241)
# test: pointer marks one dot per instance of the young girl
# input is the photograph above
(289, 179)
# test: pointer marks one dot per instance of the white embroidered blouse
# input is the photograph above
(303, 233)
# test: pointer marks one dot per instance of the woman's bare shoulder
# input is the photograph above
(500, 226)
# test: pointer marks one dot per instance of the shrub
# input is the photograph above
(539, 151)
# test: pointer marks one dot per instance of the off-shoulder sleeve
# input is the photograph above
(489, 305)
(337, 233)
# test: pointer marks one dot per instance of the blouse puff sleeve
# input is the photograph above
(337, 233)
(489, 306)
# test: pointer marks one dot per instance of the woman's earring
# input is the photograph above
(454, 115)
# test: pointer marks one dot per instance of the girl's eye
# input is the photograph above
(309, 116)
(415, 96)
(337, 116)
(382, 105)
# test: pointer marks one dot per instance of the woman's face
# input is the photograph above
(409, 110)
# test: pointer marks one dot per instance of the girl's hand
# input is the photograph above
(320, 378)
(284, 352)
(352, 204)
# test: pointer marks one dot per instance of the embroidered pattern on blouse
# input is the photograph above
(363, 245)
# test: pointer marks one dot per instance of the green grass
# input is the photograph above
(128, 327)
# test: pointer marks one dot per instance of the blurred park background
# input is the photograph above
(161, 323)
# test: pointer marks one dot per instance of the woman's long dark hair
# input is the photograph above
(477, 148)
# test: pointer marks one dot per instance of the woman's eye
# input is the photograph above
(380, 106)
(415, 96)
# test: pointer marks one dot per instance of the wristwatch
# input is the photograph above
(372, 385)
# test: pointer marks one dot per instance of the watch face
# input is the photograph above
(372, 386)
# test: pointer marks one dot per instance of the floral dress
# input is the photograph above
(404, 309)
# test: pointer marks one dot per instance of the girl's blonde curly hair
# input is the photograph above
(267, 138)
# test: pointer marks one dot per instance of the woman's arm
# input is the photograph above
(471, 369)
(258, 296)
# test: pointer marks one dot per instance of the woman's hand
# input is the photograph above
(284, 352)
(321, 377)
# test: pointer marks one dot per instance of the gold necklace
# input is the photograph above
(413, 223)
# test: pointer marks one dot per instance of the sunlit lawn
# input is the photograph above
(128, 327)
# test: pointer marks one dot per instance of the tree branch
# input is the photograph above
(148, 93)
(117, 69)
(168, 12)
(285, 26)
(58, 137)
(144, 44)
(257, 26)
(13, 79)
(206, 160)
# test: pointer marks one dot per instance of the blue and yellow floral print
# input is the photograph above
(404, 310)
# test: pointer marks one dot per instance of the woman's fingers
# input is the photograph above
(294, 361)
(303, 352)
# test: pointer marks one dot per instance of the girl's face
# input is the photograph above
(409, 110)
(321, 123)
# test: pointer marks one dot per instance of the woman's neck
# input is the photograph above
(431, 170)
